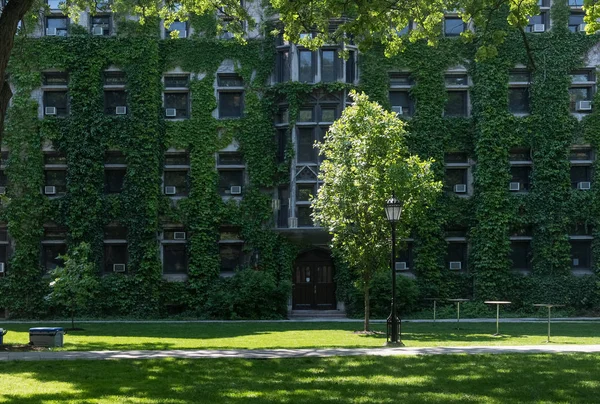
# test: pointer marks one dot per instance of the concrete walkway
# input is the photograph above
(293, 353)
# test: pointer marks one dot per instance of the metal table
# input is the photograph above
(434, 300)
(497, 303)
(458, 302)
(549, 306)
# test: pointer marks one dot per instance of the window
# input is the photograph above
(231, 95)
(56, 182)
(520, 180)
(304, 216)
(115, 97)
(329, 65)
(230, 250)
(351, 67)
(305, 192)
(456, 256)
(4, 249)
(57, 25)
(176, 96)
(576, 23)
(101, 25)
(231, 174)
(581, 168)
(581, 91)
(174, 253)
(56, 99)
(53, 246)
(114, 172)
(284, 207)
(520, 255)
(400, 96)
(456, 180)
(453, 26)
(53, 5)
(404, 260)
(115, 248)
(518, 91)
(306, 151)
(177, 159)
(541, 22)
(176, 183)
(458, 95)
(180, 26)
(283, 66)
(581, 253)
(306, 69)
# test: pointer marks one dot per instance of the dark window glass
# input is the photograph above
(581, 229)
(231, 104)
(453, 26)
(174, 259)
(518, 100)
(176, 159)
(328, 114)
(231, 256)
(456, 104)
(179, 180)
(178, 102)
(305, 192)
(230, 80)
(230, 159)
(401, 79)
(575, 20)
(405, 254)
(228, 179)
(3, 234)
(351, 67)
(114, 99)
(456, 157)
(580, 174)
(3, 179)
(455, 176)
(581, 254)
(55, 158)
(582, 76)
(304, 218)
(328, 66)
(536, 20)
(282, 139)
(282, 116)
(520, 255)
(113, 180)
(306, 115)
(115, 233)
(58, 179)
(457, 252)
(177, 81)
(580, 154)
(456, 80)
(306, 60)
(401, 99)
(114, 79)
(575, 3)
(306, 140)
(114, 157)
(114, 254)
(519, 155)
(55, 79)
(100, 23)
(58, 100)
(579, 94)
(282, 215)
(57, 26)
(55, 233)
(283, 66)
(50, 254)
(521, 175)
(180, 26)
(519, 76)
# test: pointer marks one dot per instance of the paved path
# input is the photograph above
(294, 353)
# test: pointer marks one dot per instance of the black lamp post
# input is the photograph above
(393, 209)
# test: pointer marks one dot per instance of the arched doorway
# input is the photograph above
(314, 287)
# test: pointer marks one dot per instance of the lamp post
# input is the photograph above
(393, 209)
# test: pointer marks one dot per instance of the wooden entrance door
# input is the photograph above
(314, 288)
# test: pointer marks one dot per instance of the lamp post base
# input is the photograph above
(394, 344)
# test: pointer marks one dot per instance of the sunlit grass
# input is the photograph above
(123, 336)
(494, 379)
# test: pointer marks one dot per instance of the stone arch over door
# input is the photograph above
(313, 281)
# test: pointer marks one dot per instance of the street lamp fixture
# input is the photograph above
(393, 210)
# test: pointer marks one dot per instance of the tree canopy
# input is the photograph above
(366, 160)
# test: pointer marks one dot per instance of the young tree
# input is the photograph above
(366, 161)
(74, 284)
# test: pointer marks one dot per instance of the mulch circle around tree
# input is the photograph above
(369, 332)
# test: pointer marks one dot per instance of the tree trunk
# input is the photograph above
(367, 307)
(12, 13)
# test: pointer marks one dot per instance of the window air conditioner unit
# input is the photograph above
(514, 186)
(581, 27)
(583, 106)
(460, 188)
(179, 235)
(50, 31)
(455, 265)
(397, 109)
(170, 190)
(584, 185)
(2, 190)
(235, 190)
(118, 267)
(401, 266)
(49, 190)
(50, 111)
(1, 267)
(170, 112)
(121, 110)
(97, 30)
(539, 27)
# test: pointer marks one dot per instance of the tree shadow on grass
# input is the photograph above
(439, 379)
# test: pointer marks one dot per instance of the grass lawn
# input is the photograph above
(133, 336)
(525, 378)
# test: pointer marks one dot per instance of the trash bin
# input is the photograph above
(2, 333)
(46, 336)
